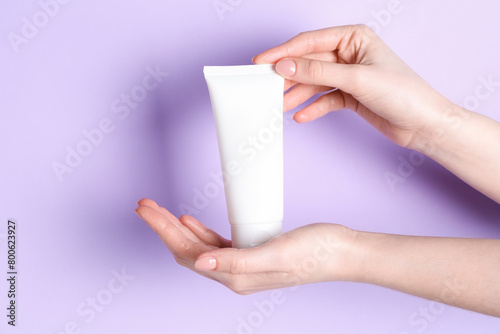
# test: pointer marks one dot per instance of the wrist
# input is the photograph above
(352, 262)
(435, 137)
(437, 112)
(375, 257)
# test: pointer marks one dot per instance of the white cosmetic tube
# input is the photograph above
(247, 103)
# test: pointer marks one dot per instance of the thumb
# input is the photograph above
(317, 72)
(239, 261)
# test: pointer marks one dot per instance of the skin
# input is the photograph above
(356, 70)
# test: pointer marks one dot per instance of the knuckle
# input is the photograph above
(329, 102)
(314, 70)
(305, 38)
(238, 265)
(363, 29)
(162, 229)
(184, 247)
(303, 35)
(309, 40)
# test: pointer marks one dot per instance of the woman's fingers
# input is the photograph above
(326, 103)
(184, 249)
(168, 232)
(315, 72)
(152, 204)
(301, 93)
(203, 233)
(315, 41)
(329, 56)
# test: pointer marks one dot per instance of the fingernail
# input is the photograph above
(299, 117)
(205, 264)
(138, 212)
(286, 67)
(253, 58)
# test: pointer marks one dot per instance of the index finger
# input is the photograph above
(327, 39)
(175, 240)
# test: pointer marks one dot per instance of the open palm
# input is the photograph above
(308, 254)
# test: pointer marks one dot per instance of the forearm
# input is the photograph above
(468, 145)
(459, 272)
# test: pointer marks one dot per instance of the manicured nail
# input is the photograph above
(286, 67)
(205, 264)
(299, 117)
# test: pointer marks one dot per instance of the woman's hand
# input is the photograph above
(309, 254)
(374, 82)
(460, 272)
(371, 80)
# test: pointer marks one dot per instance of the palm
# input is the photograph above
(304, 255)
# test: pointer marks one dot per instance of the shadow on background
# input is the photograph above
(179, 144)
(447, 185)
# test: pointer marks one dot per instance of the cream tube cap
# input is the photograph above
(249, 235)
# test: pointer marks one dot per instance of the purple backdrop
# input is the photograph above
(86, 262)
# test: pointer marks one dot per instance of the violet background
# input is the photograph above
(73, 233)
